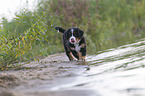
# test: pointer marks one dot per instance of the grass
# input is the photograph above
(107, 24)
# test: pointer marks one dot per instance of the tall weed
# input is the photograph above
(18, 45)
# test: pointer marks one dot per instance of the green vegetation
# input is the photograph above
(107, 24)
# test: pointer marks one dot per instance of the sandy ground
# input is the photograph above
(28, 79)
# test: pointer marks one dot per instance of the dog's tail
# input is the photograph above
(59, 29)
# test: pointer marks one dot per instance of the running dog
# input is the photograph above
(74, 43)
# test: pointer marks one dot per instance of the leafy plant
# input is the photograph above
(19, 47)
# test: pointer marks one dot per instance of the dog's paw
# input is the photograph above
(72, 59)
(84, 58)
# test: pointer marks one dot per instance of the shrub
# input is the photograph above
(18, 45)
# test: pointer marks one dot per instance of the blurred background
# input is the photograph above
(27, 26)
(8, 8)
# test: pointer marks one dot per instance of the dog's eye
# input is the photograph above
(74, 33)
(69, 33)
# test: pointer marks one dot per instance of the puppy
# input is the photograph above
(74, 43)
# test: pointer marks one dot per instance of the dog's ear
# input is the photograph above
(81, 33)
(59, 29)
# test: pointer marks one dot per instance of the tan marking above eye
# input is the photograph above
(74, 32)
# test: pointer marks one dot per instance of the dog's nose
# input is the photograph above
(72, 40)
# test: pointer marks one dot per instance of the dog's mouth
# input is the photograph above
(74, 40)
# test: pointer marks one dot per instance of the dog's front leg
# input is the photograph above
(70, 56)
(79, 55)
(83, 54)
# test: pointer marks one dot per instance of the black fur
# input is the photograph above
(77, 47)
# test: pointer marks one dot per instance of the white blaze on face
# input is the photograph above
(72, 38)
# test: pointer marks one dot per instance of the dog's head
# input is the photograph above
(74, 35)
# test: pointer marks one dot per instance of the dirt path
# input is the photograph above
(29, 78)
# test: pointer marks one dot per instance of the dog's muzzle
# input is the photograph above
(72, 40)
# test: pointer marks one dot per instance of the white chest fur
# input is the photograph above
(77, 47)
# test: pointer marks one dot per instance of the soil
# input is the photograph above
(27, 79)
